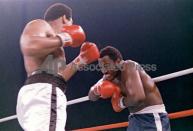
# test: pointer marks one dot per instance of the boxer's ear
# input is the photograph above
(66, 21)
(118, 61)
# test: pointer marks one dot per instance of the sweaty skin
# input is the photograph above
(39, 40)
(137, 87)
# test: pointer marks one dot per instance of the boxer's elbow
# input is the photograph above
(134, 100)
(138, 99)
(141, 96)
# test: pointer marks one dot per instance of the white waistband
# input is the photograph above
(152, 109)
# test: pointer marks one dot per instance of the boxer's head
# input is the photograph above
(109, 61)
(58, 15)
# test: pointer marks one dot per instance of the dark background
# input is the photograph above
(147, 31)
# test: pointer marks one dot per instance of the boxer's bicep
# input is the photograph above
(38, 39)
(133, 83)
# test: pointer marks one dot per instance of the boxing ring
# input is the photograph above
(175, 115)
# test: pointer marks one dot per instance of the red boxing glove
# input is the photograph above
(88, 54)
(77, 34)
(117, 101)
(104, 89)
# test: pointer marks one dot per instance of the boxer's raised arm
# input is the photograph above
(39, 39)
(88, 54)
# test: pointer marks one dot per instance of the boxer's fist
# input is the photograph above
(72, 35)
(117, 101)
(88, 54)
(76, 33)
(104, 89)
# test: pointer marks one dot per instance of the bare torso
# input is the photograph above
(35, 63)
(152, 94)
(32, 61)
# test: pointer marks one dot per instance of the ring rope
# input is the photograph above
(83, 99)
(71, 102)
(174, 115)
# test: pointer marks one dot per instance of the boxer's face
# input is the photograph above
(58, 24)
(108, 67)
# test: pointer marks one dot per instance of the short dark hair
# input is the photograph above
(112, 52)
(56, 11)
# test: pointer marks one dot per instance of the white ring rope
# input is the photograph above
(173, 75)
(79, 100)
(83, 99)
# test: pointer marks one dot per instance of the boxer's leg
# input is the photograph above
(33, 107)
(61, 110)
(165, 121)
(134, 124)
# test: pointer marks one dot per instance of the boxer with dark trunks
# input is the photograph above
(129, 86)
(41, 103)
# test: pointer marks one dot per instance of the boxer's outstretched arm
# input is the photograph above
(38, 38)
(88, 54)
(68, 71)
(133, 84)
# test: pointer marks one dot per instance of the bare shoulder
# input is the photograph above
(36, 27)
(37, 22)
(129, 64)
